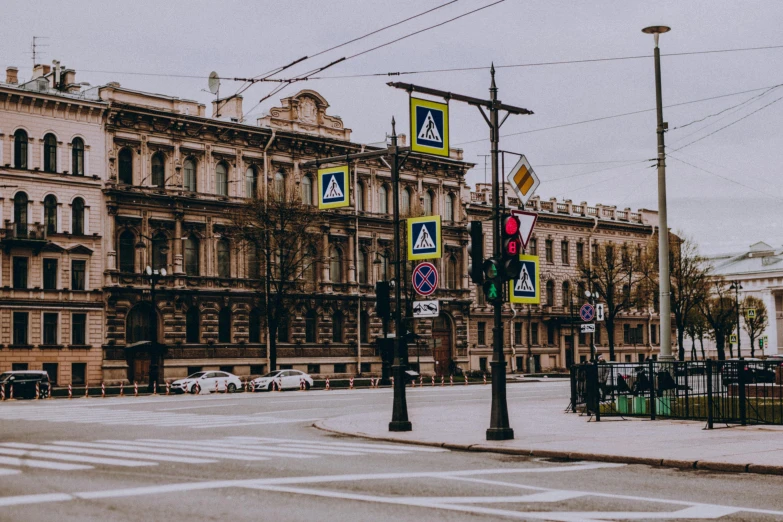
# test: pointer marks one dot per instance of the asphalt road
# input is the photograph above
(257, 456)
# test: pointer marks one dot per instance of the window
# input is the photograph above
(160, 250)
(534, 333)
(51, 371)
(365, 367)
(483, 364)
(361, 267)
(633, 335)
(251, 183)
(386, 274)
(550, 334)
(340, 368)
(405, 202)
(426, 203)
(21, 320)
(550, 293)
(50, 322)
(533, 246)
(193, 325)
(50, 214)
(451, 273)
(313, 368)
(654, 334)
(580, 254)
(192, 256)
(20, 214)
(565, 258)
(307, 190)
(50, 153)
(224, 258)
(359, 196)
(190, 175)
(582, 338)
(279, 185)
(19, 367)
(518, 333)
(253, 262)
(20, 149)
(78, 269)
(482, 333)
(448, 212)
(224, 325)
(335, 265)
(79, 329)
(383, 200)
(78, 373)
(125, 166)
(311, 326)
(597, 334)
(550, 258)
(566, 294)
(127, 252)
(482, 298)
(594, 253)
(158, 170)
(221, 179)
(254, 329)
(49, 274)
(282, 331)
(77, 217)
(364, 328)
(20, 272)
(77, 157)
(337, 327)
(137, 324)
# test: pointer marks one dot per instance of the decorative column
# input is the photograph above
(178, 264)
(110, 237)
(351, 256)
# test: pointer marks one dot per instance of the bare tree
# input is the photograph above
(755, 326)
(720, 313)
(696, 328)
(284, 232)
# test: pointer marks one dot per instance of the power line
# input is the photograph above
(724, 178)
(599, 170)
(727, 108)
(572, 190)
(723, 166)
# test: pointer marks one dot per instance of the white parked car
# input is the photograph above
(287, 379)
(206, 382)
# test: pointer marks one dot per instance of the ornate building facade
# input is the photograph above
(51, 225)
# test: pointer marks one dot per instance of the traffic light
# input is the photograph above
(510, 265)
(476, 252)
(493, 289)
(382, 301)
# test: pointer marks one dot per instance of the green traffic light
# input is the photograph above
(493, 291)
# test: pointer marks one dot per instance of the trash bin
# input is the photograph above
(623, 404)
(639, 405)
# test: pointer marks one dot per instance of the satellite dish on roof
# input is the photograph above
(214, 82)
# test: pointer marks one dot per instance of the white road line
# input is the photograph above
(199, 407)
(43, 464)
(303, 447)
(213, 450)
(5, 471)
(131, 446)
(75, 458)
(86, 449)
(272, 451)
(255, 422)
(34, 499)
(423, 449)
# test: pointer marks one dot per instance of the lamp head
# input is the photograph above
(163, 272)
(656, 30)
(149, 270)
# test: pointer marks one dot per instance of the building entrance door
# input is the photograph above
(442, 346)
(141, 370)
(569, 350)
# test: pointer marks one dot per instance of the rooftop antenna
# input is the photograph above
(214, 87)
(34, 47)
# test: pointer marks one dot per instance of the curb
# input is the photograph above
(725, 467)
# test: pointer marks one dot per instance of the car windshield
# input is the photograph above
(273, 374)
(196, 375)
(4, 377)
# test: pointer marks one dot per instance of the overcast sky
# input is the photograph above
(724, 190)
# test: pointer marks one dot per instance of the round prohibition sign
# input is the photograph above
(425, 278)
(587, 312)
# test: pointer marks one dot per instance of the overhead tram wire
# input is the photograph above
(735, 182)
(690, 154)
(726, 109)
(611, 178)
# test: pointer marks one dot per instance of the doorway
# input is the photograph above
(441, 346)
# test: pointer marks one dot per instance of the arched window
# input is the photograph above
(279, 185)
(137, 326)
(20, 149)
(224, 325)
(361, 267)
(335, 265)
(383, 200)
(190, 175)
(253, 262)
(448, 212)
(158, 170)
(364, 328)
(426, 203)
(550, 293)
(193, 325)
(337, 327)
(311, 326)
(77, 217)
(125, 166)
(192, 267)
(359, 196)
(221, 179)
(160, 251)
(307, 190)
(254, 328)
(20, 213)
(223, 258)
(50, 153)
(405, 202)
(50, 214)
(566, 294)
(77, 157)
(251, 183)
(451, 272)
(127, 252)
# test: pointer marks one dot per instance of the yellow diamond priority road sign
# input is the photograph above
(524, 180)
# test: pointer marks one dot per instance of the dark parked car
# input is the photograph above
(23, 384)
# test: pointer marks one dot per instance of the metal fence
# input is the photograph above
(730, 392)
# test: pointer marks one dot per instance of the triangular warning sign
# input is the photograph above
(333, 190)
(524, 284)
(527, 220)
(429, 131)
(424, 241)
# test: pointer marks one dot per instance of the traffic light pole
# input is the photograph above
(499, 428)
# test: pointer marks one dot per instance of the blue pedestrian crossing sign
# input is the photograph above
(424, 239)
(333, 187)
(526, 288)
(429, 127)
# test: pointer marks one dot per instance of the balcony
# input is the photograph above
(23, 235)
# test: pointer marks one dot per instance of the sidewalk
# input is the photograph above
(542, 429)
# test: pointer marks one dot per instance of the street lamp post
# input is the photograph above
(736, 286)
(154, 276)
(593, 297)
(663, 227)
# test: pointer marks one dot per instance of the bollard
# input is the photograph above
(197, 386)
(86, 390)
(216, 386)
(2, 392)
(225, 386)
(451, 380)
(168, 388)
(421, 381)
(328, 388)
(350, 384)
(37, 391)
(302, 386)
(103, 390)
(433, 380)
(441, 380)
(392, 381)
(279, 384)
(11, 396)
(485, 378)
(155, 388)
(122, 389)
(70, 392)
(135, 389)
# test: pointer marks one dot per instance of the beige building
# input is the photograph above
(51, 214)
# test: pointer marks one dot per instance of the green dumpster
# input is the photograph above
(663, 406)
(639, 405)
(623, 404)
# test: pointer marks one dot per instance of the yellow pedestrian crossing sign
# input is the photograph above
(751, 313)
(333, 187)
(424, 241)
(526, 288)
(429, 127)
(733, 338)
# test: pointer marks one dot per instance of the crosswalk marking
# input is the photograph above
(33, 463)
(84, 448)
(320, 443)
(220, 446)
(224, 453)
(75, 458)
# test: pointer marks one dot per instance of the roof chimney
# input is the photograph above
(228, 108)
(11, 75)
(40, 70)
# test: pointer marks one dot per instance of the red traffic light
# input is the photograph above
(512, 247)
(511, 226)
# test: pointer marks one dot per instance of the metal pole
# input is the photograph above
(399, 420)
(736, 304)
(154, 377)
(499, 428)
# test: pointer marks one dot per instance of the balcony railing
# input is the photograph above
(24, 232)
